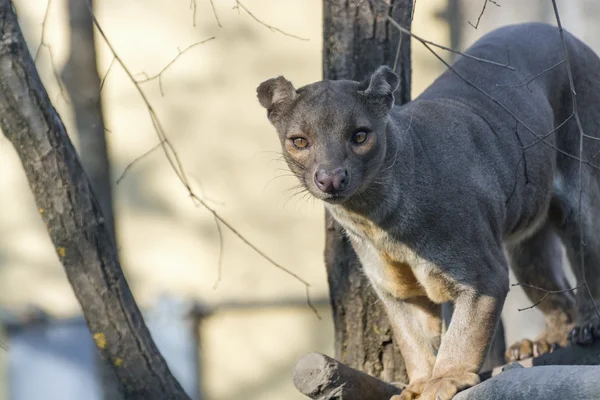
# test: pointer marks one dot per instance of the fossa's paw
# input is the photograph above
(527, 349)
(412, 391)
(586, 334)
(444, 388)
(406, 395)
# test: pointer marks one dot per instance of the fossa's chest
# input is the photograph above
(391, 265)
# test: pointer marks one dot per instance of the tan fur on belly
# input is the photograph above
(400, 281)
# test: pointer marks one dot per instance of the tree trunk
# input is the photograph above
(81, 79)
(356, 40)
(75, 223)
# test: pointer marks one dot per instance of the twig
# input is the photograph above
(212, 4)
(106, 74)
(137, 159)
(401, 39)
(546, 293)
(521, 159)
(220, 262)
(177, 166)
(43, 43)
(428, 42)
(542, 138)
(536, 141)
(193, 7)
(525, 82)
(482, 11)
(159, 75)
(43, 38)
(270, 27)
(528, 79)
(582, 136)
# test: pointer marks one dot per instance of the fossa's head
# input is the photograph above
(333, 133)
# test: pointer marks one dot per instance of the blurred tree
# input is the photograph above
(81, 79)
(356, 40)
(82, 82)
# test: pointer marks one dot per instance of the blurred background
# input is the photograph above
(229, 332)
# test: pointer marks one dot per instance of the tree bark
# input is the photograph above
(356, 40)
(75, 223)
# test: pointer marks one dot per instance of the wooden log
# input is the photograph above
(323, 378)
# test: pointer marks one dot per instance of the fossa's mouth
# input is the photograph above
(334, 198)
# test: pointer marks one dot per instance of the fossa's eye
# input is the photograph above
(299, 142)
(360, 137)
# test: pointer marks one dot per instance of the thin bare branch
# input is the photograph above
(528, 80)
(139, 158)
(45, 44)
(402, 39)
(106, 74)
(193, 7)
(239, 5)
(428, 42)
(43, 38)
(525, 82)
(482, 11)
(542, 138)
(214, 10)
(159, 75)
(546, 293)
(310, 304)
(220, 262)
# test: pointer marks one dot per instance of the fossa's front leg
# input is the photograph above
(416, 323)
(477, 310)
(464, 346)
(415, 319)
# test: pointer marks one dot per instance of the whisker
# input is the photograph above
(277, 177)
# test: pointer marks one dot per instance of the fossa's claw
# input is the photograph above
(585, 335)
(527, 349)
(412, 391)
(444, 388)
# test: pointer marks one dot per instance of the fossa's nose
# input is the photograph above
(331, 181)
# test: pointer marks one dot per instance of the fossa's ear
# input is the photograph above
(276, 95)
(380, 92)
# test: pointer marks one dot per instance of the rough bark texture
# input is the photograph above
(75, 223)
(356, 40)
(320, 377)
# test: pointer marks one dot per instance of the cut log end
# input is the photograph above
(311, 372)
(321, 377)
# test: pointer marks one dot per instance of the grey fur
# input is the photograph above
(450, 181)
